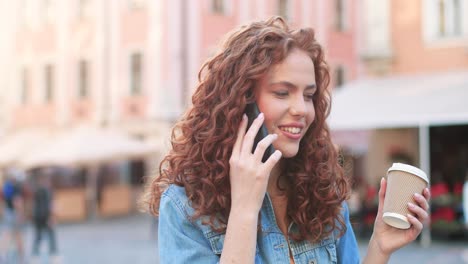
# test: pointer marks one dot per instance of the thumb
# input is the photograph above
(382, 191)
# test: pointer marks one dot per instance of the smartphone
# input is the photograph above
(251, 110)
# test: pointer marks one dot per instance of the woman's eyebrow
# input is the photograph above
(291, 85)
(311, 87)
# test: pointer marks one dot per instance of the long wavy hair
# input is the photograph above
(202, 141)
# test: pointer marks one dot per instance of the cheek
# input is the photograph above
(269, 123)
(311, 114)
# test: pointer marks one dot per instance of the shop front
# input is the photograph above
(420, 120)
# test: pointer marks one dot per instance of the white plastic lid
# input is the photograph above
(408, 168)
(396, 220)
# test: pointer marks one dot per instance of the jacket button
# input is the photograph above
(312, 262)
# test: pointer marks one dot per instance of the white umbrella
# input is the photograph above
(87, 146)
(15, 146)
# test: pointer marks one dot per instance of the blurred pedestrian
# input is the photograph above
(13, 213)
(43, 216)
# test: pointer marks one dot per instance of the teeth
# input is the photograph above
(292, 130)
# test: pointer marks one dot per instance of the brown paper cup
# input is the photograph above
(403, 181)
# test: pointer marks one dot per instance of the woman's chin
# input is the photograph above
(288, 153)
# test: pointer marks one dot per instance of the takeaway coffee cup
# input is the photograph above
(403, 181)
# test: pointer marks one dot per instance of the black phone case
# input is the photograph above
(251, 110)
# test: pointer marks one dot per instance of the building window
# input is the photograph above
(283, 8)
(83, 79)
(340, 15)
(444, 18)
(25, 83)
(49, 82)
(340, 77)
(449, 18)
(217, 6)
(136, 73)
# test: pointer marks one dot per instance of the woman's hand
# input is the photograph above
(248, 175)
(387, 239)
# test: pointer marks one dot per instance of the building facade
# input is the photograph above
(136, 62)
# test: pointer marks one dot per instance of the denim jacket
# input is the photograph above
(183, 241)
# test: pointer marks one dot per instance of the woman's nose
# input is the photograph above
(298, 107)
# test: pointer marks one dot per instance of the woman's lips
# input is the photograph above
(290, 135)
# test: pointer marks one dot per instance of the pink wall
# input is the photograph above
(341, 45)
(133, 107)
(133, 32)
(134, 26)
(214, 27)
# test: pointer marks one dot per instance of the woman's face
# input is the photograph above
(285, 95)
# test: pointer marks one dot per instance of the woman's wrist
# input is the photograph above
(243, 214)
(375, 253)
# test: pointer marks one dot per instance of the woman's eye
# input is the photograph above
(309, 96)
(281, 94)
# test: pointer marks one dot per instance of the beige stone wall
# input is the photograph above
(382, 142)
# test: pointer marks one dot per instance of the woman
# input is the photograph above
(218, 202)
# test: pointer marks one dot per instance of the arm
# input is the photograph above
(249, 180)
(386, 239)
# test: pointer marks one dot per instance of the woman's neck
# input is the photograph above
(275, 178)
(279, 198)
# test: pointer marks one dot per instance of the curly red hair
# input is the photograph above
(203, 139)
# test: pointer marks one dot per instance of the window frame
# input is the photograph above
(25, 81)
(83, 87)
(344, 74)
(341, 21)
(49, 82)
(133, 90)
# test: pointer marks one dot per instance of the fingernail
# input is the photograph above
(411, 205)
(260, 115)
(418, 195)
(244, 116)
(278, 154)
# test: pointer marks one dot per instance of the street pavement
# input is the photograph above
(133, 240)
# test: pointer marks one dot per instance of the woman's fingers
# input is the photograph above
(420, 212)
(415, 223)
(249, 137)
(240, 136)
(422, 201)
(422, 207)
(272, 160)
(263, 145)
(427, 194)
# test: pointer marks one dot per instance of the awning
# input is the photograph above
(87, 146)
(401, 101)
(17, 144)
